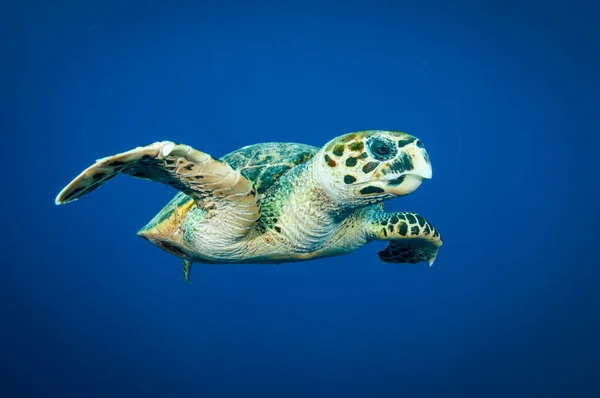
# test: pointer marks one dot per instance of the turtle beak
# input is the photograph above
(411, 178)
(421, 164)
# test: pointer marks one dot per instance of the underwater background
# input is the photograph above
(504, 96)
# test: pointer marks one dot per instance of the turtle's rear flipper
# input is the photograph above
(187, 268)
(412, 238)
(213, 184)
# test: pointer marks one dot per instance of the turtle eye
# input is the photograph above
(381, 148)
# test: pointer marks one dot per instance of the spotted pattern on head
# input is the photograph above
(360, 157)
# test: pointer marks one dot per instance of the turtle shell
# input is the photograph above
(264, 163)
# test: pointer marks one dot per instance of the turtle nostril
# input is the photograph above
(419, 144)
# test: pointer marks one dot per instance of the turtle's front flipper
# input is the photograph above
(213, 184)
(412, 238)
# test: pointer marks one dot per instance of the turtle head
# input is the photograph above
(371, 166)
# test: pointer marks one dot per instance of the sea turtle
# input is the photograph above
(279, 202)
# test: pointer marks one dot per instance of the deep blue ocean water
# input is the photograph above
(505, 97)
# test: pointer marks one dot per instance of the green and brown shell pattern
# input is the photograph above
(262, 164)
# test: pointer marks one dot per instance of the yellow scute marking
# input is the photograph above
(168, 225)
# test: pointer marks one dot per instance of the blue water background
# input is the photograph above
(505, 97)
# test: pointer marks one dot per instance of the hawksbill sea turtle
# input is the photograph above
(279, 202)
